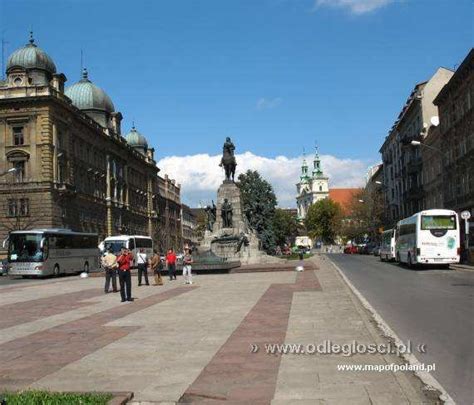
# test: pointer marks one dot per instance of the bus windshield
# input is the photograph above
(115, 245)
(24, 247)
(429, 222)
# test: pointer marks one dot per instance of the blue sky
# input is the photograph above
(275, 75)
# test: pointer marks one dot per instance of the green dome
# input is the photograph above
(85, 95)
(136, 140)
(31, 57)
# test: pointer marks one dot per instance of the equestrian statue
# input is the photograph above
(228, 160)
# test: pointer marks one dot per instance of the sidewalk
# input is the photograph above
(468, 267)
(180, 343)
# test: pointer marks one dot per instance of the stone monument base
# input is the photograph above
(238, 242)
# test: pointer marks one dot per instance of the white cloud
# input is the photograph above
(267, 104)
(200, 175)
(354, 6)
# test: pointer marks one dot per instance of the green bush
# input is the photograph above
(54, 398)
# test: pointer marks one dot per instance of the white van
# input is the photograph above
(387, 245)
(132, 242)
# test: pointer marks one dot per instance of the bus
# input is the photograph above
(44, 252)
(132, 242)
(429, 237)
(387, 245)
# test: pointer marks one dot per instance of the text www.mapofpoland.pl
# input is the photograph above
(387, 367)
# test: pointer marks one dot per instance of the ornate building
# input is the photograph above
(65, 163)
(170, 230)
(402, 162)
(312, 187)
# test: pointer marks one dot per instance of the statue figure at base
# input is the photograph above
(211, 212)
(226, 214)
(228, 161)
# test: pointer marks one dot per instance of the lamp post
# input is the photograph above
(12, 170)
(418, 143)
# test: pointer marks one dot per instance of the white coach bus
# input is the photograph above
(387, 245)
(429, 237)
(132, 242)
(43, 252)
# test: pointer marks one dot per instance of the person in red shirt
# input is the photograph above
(171, 264)
(125, 263)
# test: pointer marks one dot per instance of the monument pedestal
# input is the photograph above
(238, 242)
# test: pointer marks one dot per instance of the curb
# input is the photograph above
(120, 398)
(462, 267)
(431, 384)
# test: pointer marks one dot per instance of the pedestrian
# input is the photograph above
(142, 263)
(157, 266)
(187, 262)
(125, 262)
(109, 263)
(171, 264)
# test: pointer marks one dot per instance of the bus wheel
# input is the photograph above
(56, 270)
(86, 267)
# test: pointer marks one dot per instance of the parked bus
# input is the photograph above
(43, 252)
(387, 245)
(132, 242)
(429, 237)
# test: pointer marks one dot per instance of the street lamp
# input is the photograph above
(361, 201)
(418, 143)
(12, 170)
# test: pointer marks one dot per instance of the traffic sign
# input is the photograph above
(465, 215)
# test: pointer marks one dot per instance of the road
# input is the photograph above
(430, 306)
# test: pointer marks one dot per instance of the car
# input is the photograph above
(368, 248)
(377, 251)
(4, 267)
(350, 249)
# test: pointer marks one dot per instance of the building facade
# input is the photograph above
(402, 162)
(189, 226)
(312, 187)
(456, 116)
(65, 162)
(432, 171)
(170, 231)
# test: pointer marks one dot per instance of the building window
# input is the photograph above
(18, 136)
(19, 170)
(18, 208)
(12, 208)
(24, 207)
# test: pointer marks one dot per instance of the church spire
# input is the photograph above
(304, 169)
(317, 169)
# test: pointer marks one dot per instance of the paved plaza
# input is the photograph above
(193, 343)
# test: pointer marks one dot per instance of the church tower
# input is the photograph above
(311, 188)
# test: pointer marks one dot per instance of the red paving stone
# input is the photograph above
(28, 359)
(235, 375)
(27, 311)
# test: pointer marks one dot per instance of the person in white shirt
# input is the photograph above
(142, 263)
(187, 262)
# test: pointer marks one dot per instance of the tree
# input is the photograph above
(323, 220)
(259, 203)
(366, 215)
(285, 226)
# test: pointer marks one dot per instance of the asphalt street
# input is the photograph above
(429, 306)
